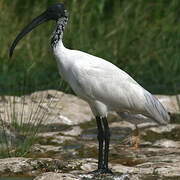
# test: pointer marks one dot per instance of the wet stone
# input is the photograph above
(67, 146)
(74, 131)
(28, 166)
(171, 132)
(57, 176)
(165, 143)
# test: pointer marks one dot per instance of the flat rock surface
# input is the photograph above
(28, 166)
(57, 176)
(67, 148)
(61, 108)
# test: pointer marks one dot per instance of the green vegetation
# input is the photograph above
(21, 122)
(140, 36)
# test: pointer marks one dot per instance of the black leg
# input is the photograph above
(103, 138)
(107, 139)
(100, 138)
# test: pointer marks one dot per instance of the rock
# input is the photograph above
(37, 148)
(165, 143)
(75, 131)
(170, 131)
(79, 168)
(171, 103)
(14, 165)
(28, 166)
(68, 176)
(109, 177)
(44, 108)
(67, 133)
(161, 170)
(122, 124)
(169, 171)
(162, 129)
(51, 106)
(70, 109)
(57, 176)
(54, 138)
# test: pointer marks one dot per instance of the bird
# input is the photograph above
(103, 85)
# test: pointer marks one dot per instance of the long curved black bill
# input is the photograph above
(35, 22)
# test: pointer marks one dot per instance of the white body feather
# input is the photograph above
(106, 87)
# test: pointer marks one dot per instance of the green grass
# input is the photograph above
(139, 36)
(21, 120)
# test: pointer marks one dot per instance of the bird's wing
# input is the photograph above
(102, 81)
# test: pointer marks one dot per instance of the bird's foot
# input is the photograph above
(101, 171)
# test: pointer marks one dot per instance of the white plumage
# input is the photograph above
(106, 87)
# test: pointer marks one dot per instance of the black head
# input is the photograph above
(54, 12)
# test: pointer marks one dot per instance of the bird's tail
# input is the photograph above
(156, 110)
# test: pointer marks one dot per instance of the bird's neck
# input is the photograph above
(58, 32)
